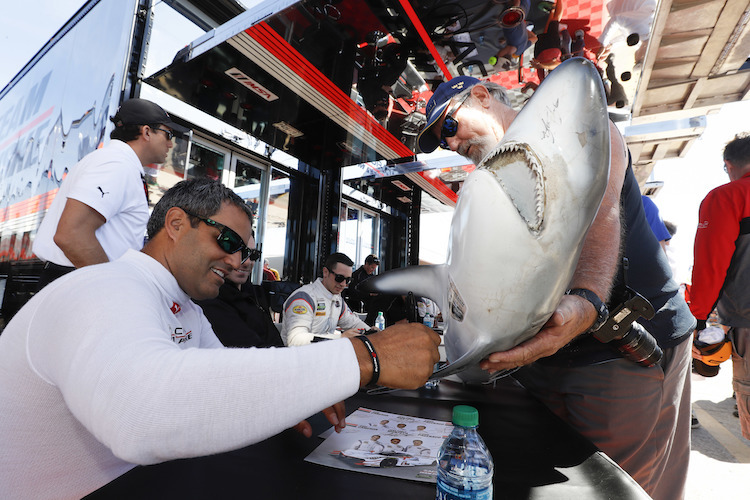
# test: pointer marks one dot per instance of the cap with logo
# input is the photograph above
(142, 112)
(436, 107)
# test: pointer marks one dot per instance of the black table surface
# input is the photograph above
(536, 456)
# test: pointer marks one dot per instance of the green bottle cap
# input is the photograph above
(465, 416)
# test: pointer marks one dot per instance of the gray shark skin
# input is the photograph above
(519, 223)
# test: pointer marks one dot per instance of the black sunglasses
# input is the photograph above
(228, 240)
(340, 277)
(168, 133)
(450, 124)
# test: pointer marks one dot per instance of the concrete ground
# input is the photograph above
(720, 456)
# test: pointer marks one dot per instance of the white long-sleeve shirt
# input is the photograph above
(113, 365)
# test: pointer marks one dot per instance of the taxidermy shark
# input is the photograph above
(519, 223)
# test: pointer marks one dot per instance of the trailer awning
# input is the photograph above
(314, 78)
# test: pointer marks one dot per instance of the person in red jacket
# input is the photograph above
(721, 269)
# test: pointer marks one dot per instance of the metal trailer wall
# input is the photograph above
(52, 113)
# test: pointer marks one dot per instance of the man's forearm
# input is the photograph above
(82, 249)
(76, 234)
(364, 360)
(600, 255)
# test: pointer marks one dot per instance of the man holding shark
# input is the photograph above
(638, 416)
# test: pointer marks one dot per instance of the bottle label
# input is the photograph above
(448, 492)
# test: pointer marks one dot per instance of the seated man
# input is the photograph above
(269, 274)
(518, 38)
(240, 316)
(548, 49)
(121, 368)
(317, 309)
(357, 300)
(555, 45)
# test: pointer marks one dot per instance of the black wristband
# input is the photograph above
(602, 313)
(701, 324)
(375, 360)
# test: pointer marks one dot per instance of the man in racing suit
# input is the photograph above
(372, 445)
(316, 309)
(394, 446)
(417, 449)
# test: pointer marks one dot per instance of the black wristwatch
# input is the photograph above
(601, 308)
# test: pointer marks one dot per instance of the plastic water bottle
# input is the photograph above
(380, 321)
(465, 465)
(428, 320)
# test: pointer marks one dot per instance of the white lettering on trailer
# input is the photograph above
(248, 82)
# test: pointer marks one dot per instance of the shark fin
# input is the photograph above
(423, 281)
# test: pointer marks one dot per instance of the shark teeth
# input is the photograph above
(520, 175)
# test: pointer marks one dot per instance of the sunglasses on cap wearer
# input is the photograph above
(340, 277)
(228, 240)
(168, 133)
(450, 124)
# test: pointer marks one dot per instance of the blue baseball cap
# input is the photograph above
(436, 107)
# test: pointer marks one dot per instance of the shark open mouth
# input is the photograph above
(521, 176)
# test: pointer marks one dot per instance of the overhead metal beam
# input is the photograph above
(694, 93)
(663, 8)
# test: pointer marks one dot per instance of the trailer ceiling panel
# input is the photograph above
(288, 81)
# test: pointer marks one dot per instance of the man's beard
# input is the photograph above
(482, 146)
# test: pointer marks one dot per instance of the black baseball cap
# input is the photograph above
(437, 105)
(142, 112)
